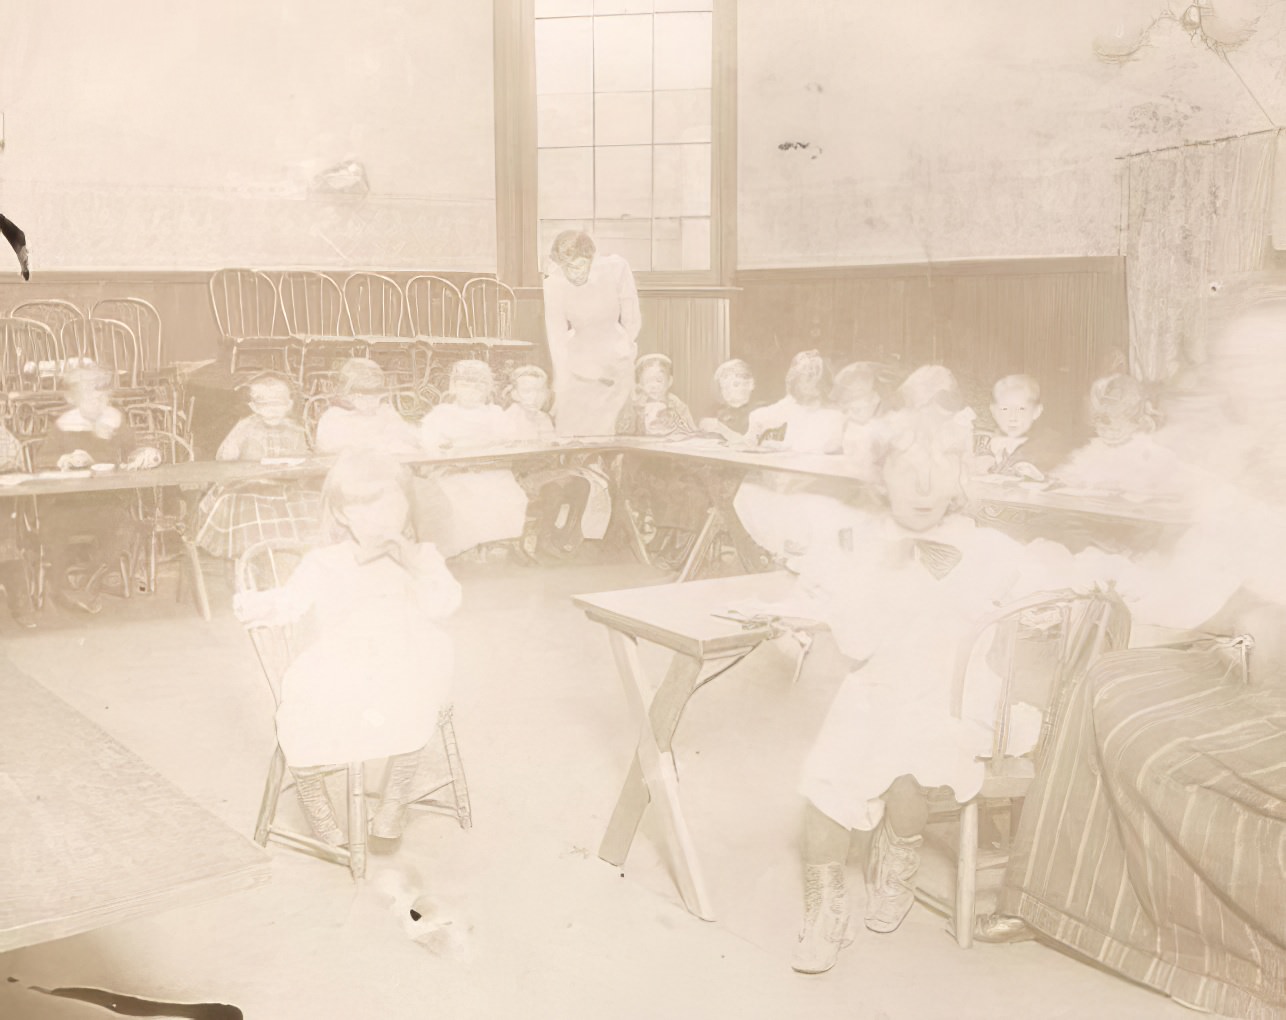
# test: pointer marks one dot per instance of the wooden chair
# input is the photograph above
(489, 308)
(434, 308)
(110, 344)
(247, 310)
(375, 305)
(316, 318)
(53, 312)
(158, 517)
(268, 565)
(31, 356)
(145, 322)
(1080, 628)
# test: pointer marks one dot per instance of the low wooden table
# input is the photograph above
(92, 834)
(678, 617)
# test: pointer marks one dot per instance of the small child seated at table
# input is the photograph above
(654, 410)
(14, 575)
(236, 516)
(734, 386)
(858, 391)
(361, 418)
(1009, 447)
(461, 508)
(92, 432)
(1124, 456)
(376, 666)
(526, 415)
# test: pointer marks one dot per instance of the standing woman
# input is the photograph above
(592, 323)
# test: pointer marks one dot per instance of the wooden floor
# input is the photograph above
(546, 739)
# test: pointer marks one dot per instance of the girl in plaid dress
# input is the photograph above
(235, 517)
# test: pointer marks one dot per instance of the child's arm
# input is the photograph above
(231, 447)
(683, 414)
(432, 438)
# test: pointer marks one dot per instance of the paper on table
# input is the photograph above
(282, 461)
(76, 473)
(795, 606)
(15, 478)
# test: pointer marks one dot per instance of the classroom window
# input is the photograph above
(625, 129)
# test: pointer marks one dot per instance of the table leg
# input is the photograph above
(722, 516)
(652, 775)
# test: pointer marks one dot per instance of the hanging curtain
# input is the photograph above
(1196, 215)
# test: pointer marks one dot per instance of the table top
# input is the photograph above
(92, 834)
(432, 341)
(680, 615)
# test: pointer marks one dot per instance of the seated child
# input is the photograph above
(375, 668)
(235, 517)
(462, 508)
(734, 386)
(1123, 456)
(913, 586)
(777, 509)
(91, 432)
(931, 385)
(361, 418)
(558, 495)
(859, 392)
(13, 567)
(529, 392)
(654, 410)
(1009, 448)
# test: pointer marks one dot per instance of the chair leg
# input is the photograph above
(967, 874)
(357, 820)
(459, 787)
(271, 794)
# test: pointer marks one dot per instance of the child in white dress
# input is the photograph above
(376, 666)
(1124, 456)
(900, 603)
(462, 508)
(775, 507)
(361, 417)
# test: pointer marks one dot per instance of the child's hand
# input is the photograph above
(75, 460)
(1029, 472)
(143, 459)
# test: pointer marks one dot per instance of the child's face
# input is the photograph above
(860, 406)
(577, 271)
(469, 392)
(806, 387)
(381, 519)
(530, 393)
(364, 403)
(274, 408)
(921, 486)
(1015, 412)
(736, 389)
(655, 382)
(91, 401)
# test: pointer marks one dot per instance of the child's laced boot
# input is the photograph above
(825, 930)
(310, 785)
(891, 879)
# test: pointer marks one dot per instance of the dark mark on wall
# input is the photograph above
(127, 1005)
(787, 146)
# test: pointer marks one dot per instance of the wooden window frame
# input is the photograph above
(517, 216)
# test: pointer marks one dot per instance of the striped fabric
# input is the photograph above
(1154, 841)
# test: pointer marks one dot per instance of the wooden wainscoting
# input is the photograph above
(1063, 321)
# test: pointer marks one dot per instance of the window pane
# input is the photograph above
(566, 183)
(623, 182)
(562, 8)
(630, 239)
(622, 6)
(623, 118)
(563, 120)
(623, 54)
(685, 5)
(667, 244)
(682, 180)
(683, 116)
(696, 244)
(684, 56)
(565, 55)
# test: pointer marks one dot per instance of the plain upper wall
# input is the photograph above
(154, 134)
(874, 132)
